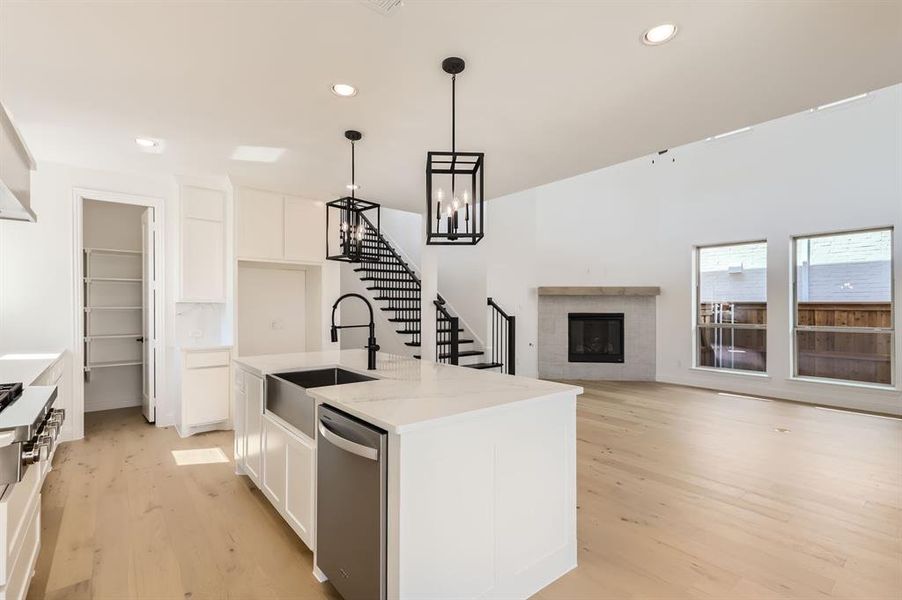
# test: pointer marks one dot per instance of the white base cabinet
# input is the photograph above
(205, 389)
(289, 475)
(280, 460)
(253, 428)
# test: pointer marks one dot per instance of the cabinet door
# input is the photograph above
(305, 227)
(274, 440)
(254, 426)
(300, 488)
(205, 395)
(238, 420)
(203, 261)
(260, 224)
(202, 245)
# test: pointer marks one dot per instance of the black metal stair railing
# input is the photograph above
(395, 283)
(504, 338)
(447, 335)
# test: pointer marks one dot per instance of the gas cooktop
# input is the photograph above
(9, 393)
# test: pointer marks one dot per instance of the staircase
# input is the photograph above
(395, 286)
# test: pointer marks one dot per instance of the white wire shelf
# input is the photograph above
(113, 363)
(113, 279)
(90, 308)
(112, 251)
(113, 336)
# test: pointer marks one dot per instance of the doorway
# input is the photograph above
(118, 320)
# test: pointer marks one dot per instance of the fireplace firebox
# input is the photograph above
(595, 337)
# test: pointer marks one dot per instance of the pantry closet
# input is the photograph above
(114, 305)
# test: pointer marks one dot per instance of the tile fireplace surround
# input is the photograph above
(638, 307)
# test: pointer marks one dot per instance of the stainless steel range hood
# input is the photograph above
(16, 165)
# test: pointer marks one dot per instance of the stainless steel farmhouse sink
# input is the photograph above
(287, 398)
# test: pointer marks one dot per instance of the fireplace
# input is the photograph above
(595, 337)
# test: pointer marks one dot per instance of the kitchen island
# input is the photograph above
(481, 469)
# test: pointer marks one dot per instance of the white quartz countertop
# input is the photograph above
(408, 393)
(25, 368)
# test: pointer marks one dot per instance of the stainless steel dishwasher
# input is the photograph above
(351, 503)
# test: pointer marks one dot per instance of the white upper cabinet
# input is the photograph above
(305, 230)
(281, 228)
(260, 218)
(203, 252)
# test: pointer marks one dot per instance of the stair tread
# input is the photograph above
(417, 331)
(463, 353)
(408, 320)
(398, 298)
(460, 341)
(483, 365)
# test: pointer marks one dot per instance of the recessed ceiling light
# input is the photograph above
(659, 34)
(344, 89)
(264, 154)
(147, 142)
(720, 136)
(843, 101)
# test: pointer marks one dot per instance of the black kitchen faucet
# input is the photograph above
(371, 345)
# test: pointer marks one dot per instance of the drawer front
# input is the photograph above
(202, 360)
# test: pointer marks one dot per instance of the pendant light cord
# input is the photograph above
(353, 186)
(453, 113)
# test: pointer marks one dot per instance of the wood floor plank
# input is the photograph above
(683, 493)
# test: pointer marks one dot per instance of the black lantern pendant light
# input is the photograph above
(454, 184)
(352, 224)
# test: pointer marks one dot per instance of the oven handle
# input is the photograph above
(347, 445)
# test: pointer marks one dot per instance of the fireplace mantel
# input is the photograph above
(582, 290)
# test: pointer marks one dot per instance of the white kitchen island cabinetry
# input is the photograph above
(289, 467)
(278, 458)
(481, 484)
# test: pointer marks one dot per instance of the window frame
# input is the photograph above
(697, 324)
(795, 328)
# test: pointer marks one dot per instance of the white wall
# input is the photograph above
(273, 312)
(112, 225)
(637, 224)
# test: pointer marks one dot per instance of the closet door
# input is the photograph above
(148, 321)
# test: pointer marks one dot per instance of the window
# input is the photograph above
(731, 309)
(843, 313)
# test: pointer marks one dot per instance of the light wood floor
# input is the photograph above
(683, 493)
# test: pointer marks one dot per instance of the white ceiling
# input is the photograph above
(552, 89)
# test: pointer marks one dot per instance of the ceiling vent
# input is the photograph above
(384, 7)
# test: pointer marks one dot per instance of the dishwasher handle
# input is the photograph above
(347, 445)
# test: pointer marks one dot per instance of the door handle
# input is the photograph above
(347, 445)
(140, 340)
